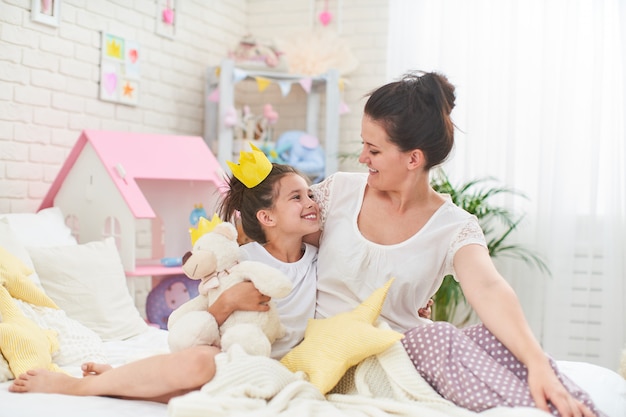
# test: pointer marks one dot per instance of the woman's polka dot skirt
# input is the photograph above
(471, 368)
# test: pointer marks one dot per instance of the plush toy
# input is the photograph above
(253, 52)
(303, 151)
(216, 262)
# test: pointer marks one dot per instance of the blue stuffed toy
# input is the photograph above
(302, 151)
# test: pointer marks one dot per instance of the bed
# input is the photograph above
(96, 320)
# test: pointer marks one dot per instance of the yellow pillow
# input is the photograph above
(24, 344)
(331, 346)
(14, 276)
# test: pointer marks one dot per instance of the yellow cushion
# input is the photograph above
(14, 276)
(331, 346)
(24, 344)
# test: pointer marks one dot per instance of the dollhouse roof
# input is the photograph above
(130, 156)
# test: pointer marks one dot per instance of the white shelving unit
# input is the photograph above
(219, 137)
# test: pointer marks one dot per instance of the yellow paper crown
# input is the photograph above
(253, 167)
(204, 227)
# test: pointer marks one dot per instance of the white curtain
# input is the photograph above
(540, 106)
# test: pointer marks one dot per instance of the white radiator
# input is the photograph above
(584, 316)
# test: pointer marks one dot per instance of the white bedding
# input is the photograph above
(606, 387)
(382, 385)
(47, 229)
(150, 342)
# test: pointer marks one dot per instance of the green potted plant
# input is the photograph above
(476, 197)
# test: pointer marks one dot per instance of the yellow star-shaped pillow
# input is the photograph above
(331, 346)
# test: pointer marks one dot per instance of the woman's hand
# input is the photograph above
(426, 312)
(499, 309)
(545, 387)
(243, 296)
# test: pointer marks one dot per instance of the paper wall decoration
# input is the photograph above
(167, 17)
(119, 70)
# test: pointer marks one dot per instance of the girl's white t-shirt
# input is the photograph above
(299, 306)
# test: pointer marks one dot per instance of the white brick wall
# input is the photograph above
(49, 75)
(49, 82)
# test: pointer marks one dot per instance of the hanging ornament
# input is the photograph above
(285, 87)
(168, 14)
(262, 83)
(325, 16)
(306, 84)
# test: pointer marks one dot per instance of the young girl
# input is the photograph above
(276, 214)
(276, 211)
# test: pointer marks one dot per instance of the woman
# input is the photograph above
(389, 222)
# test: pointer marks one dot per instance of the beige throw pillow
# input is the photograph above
(88, 282)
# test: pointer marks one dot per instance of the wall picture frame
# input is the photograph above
(119, 69)
(167, 17)
(45, 12)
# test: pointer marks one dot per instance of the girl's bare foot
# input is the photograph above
(42, 380)
(92, 368)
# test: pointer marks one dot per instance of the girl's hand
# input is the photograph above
(545, 387)
(243, 296)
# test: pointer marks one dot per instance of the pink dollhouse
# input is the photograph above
(112, 181)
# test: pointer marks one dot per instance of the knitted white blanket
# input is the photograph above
(383, 385)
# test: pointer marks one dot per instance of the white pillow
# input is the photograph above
(77, 343)
(44, 228)
(88, 282)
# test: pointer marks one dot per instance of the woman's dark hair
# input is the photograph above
(246, 202)
(415, 113)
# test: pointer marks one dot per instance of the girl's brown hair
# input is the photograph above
(243, 202)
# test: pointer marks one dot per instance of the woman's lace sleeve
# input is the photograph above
(469, 233)
(321, 194)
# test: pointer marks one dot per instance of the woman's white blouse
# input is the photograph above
(299, 306)
(350, 267)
